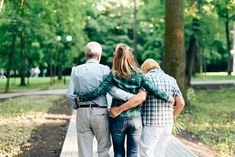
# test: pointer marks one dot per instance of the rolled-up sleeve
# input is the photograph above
(120, 94)
(71, 95)
(176, 90)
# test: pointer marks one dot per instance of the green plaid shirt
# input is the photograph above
(132, 85)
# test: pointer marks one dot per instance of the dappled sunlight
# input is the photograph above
(35, 119)
(212, 119)
(22, 119)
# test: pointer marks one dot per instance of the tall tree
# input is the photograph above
(10, 61)
(193, 46)
(174, 58)
(226, 11)
(22, 69)
(9, 21)
(21, 33)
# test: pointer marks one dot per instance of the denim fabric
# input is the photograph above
(122, 127)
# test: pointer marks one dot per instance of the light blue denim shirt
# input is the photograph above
(87, 77)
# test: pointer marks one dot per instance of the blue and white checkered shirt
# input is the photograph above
(157, 112)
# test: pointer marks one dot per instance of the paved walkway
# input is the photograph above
(41, 92)
(174, 148)
(213, 82)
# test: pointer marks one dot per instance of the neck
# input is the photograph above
(95, 58)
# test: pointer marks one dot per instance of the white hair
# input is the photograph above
(93, 49)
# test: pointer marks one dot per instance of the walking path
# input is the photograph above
(212, 84)
(174, 147)
(41, 92)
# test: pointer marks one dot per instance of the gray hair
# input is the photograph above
(93, 49)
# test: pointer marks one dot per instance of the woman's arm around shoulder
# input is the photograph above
(154, 90)
(103, 88)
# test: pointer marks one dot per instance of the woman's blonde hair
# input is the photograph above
(149, 64)
(124, 62)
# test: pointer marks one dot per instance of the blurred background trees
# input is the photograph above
(51, 34)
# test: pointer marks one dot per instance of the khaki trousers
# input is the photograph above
(93, 122)
(154, 140)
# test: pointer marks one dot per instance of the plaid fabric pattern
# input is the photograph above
(132, 85)
(156, 112)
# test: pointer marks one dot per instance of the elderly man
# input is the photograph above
(92, 116)
(157, 115)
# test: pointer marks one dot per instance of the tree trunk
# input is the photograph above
(54, 72)
(174, 58)
(22, 70)
(51, 67)
(193, 47)
(233, 51)
(51, 72)
(60, 72)
(201, 60)
(191, 52)
(229, 69)
(10, 59)
(200, 47)
(190, 57)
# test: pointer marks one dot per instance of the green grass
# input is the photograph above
(213, 76)
(19, 117)
(212, 118)
(23, 105)
(36, 83)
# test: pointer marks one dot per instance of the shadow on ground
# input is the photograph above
(47, 139)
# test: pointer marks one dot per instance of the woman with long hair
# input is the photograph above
(127, 76)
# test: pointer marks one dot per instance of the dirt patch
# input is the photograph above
(47, 138)
(196, 146)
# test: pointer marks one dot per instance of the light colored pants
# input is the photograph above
(153, 141)
(93, 122)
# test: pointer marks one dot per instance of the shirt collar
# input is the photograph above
(92, 61)
(156, 70)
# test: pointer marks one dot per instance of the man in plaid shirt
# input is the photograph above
(157, 115)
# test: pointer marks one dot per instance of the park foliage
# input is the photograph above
(35, 33)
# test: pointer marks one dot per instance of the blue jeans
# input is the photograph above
(121, 127)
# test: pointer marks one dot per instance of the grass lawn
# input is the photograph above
(22, 118)
(212, 119)
(213, 76)
(37, 83)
